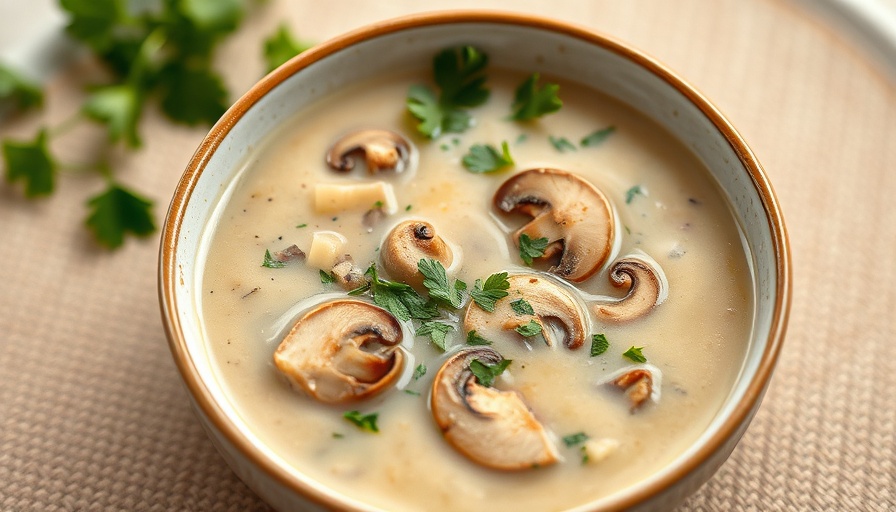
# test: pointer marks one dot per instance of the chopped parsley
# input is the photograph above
(419, 371)
(530, 329)
(487, 294)
(599, 344)
(634, 353)
(338, 435)
(436, 281)
(522, 307)
(412, 392)
(487, 373)
(460, 75)
(437, 332)
(363, 421)
(398, 298)
(271, 262)
(485, 158)
(574, 439)
(561, 144)
(302, 225)
(475, 339)
(530, 249)
(632, 192)
(597, 137)
(531, 101)
(327, 277)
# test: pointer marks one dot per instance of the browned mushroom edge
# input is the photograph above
(576, 218)
(640, 383)
(342, 351)
(491, 427)
(383, 150)
(409, 242)
(646, 284)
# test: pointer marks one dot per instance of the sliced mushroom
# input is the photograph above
(552, 306)
(575, 217)
(491, 427)
(342, 351)
(347, 274)
(646, 288)
(383, 150)
(407, 244)
(639, 382)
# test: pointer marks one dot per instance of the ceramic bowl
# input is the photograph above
(516, 41)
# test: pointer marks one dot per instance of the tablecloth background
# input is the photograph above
(93, 415)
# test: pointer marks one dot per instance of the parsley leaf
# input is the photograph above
(561, 144)
(530, 101)
(485, 158)
(326, 277)
(487, 373)
(19, 91)
(459, 74)
(530, 329)
(437, 332)
(271, 262)
(398, 298)
(192, 94)
(30, 162)
(436, 281)
(597, 137)
(419, 371)
(599, 344)
(632, 192)
(574, 439)
(530, 249)
(213, 15)
(475, 339)
(116, 212)
(494, 289)
(93, 21)
(634, 353)
(363, 421)
(522, 307)
(281, 46)
(118, 107)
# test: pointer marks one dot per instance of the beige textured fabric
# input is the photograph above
(92, 412)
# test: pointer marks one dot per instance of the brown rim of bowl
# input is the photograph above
(168, 273)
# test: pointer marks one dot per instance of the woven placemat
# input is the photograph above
(93, 415)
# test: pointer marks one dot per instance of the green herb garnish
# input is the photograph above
(599, 344)
(398, 298)
(363, 421)
(270, 261)
(412, 392)
(530, 329)
(281, 46)
(597, 137)
(475, 339)
(487, 294)
(634, 353)
(486, 373)
(19, 91)
(484, 158)
(117, 211)
(31, 163)
(522, 307)
(574, 439)
(561, 144)
(419, 371)
(338, 435)
(460, 75)
(437, 332)
(303, 225)
(436, 281)
(327, 277)
(530, 249)
(632, 192)
(531, 101)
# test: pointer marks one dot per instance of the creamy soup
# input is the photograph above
(603, 436)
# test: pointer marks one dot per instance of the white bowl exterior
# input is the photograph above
(522, 48)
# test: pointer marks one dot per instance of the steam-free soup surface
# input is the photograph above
(667, 208)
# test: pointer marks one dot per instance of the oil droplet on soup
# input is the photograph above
(608, 420)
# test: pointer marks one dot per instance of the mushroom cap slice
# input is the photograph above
(550, 302)
(383, 150)
(491, 427)
(408, 243)
(575, 217)
(342, 351)
(646, 288)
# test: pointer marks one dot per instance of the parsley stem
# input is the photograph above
(66, 125)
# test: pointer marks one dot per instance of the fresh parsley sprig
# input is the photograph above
(437, 332)
(531, 101)
(367, 422)
(485, 158)
(532, 248)
(460, 75)
(487, 294)
(487, 373)
(436, 281)
(400, 299)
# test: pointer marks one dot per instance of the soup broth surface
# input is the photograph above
(667, 208)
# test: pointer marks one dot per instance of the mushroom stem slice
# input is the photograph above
(646, 289)
(575, 217)
(383, 150)
(407, 244)
(491, 427)
(342, 351)
(552, 306)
